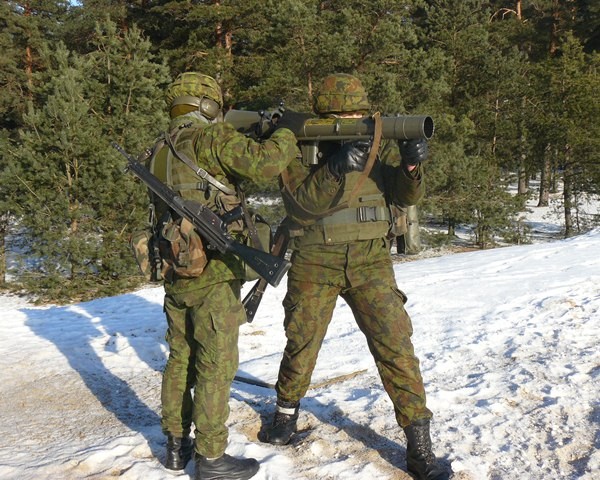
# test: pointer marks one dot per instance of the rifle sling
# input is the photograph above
(256, 243)
(203, 174)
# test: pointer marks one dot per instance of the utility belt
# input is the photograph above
(357, 215)
(344, 226)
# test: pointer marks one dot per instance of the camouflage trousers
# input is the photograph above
(203, 330)
(361, 273)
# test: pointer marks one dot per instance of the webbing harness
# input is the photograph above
(288, 193)
(207, 177)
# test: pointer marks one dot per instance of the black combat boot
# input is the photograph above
(225, 468)
(420, 460)
(284, 423)
(179, 452)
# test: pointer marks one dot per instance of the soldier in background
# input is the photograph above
(204, 311)
(345, 252)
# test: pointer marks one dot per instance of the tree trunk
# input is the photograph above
(451, 229)
(522, 184)
(568, 214)
(412, 237)
(2, 259)
(568, 203)
(544, 194)
(523, 181)
(28, 55)
(569, 193)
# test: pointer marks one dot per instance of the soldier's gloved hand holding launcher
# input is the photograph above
(413, 152)
(352, 157)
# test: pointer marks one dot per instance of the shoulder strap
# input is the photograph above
(372, 154)
(252, 232)
(203, 174)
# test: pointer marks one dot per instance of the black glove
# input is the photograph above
(413, 151)
(293, 121)
(351, 157)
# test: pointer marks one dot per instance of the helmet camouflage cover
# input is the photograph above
(341, 93)
(193, 84)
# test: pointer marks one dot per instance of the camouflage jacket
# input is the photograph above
(228, 156)
(313, 190)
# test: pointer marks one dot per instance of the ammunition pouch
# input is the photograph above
(181, 249)
(348, 225)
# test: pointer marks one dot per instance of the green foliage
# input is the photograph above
(434, 239)
(574, 83)
(73, 201)
(510, 92)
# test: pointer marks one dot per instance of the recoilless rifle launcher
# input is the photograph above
(315, 130)
(209, 225)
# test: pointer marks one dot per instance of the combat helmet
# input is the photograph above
(194, 91)
(339, 93)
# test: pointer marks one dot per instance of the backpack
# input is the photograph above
(168, 247)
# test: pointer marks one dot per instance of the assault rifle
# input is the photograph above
(315, 130)
(254, 296)
(209, 225)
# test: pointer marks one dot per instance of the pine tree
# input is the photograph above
(512, 135)
(75, 203)
(23, 27)
(510, 85)
(79, 31)
(572, 102)
(479, 76)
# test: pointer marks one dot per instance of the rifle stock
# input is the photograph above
(209, 225)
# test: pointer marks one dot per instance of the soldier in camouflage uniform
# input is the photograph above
(346, 252)
(204, 313)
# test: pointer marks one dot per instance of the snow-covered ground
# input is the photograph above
(508, 341)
